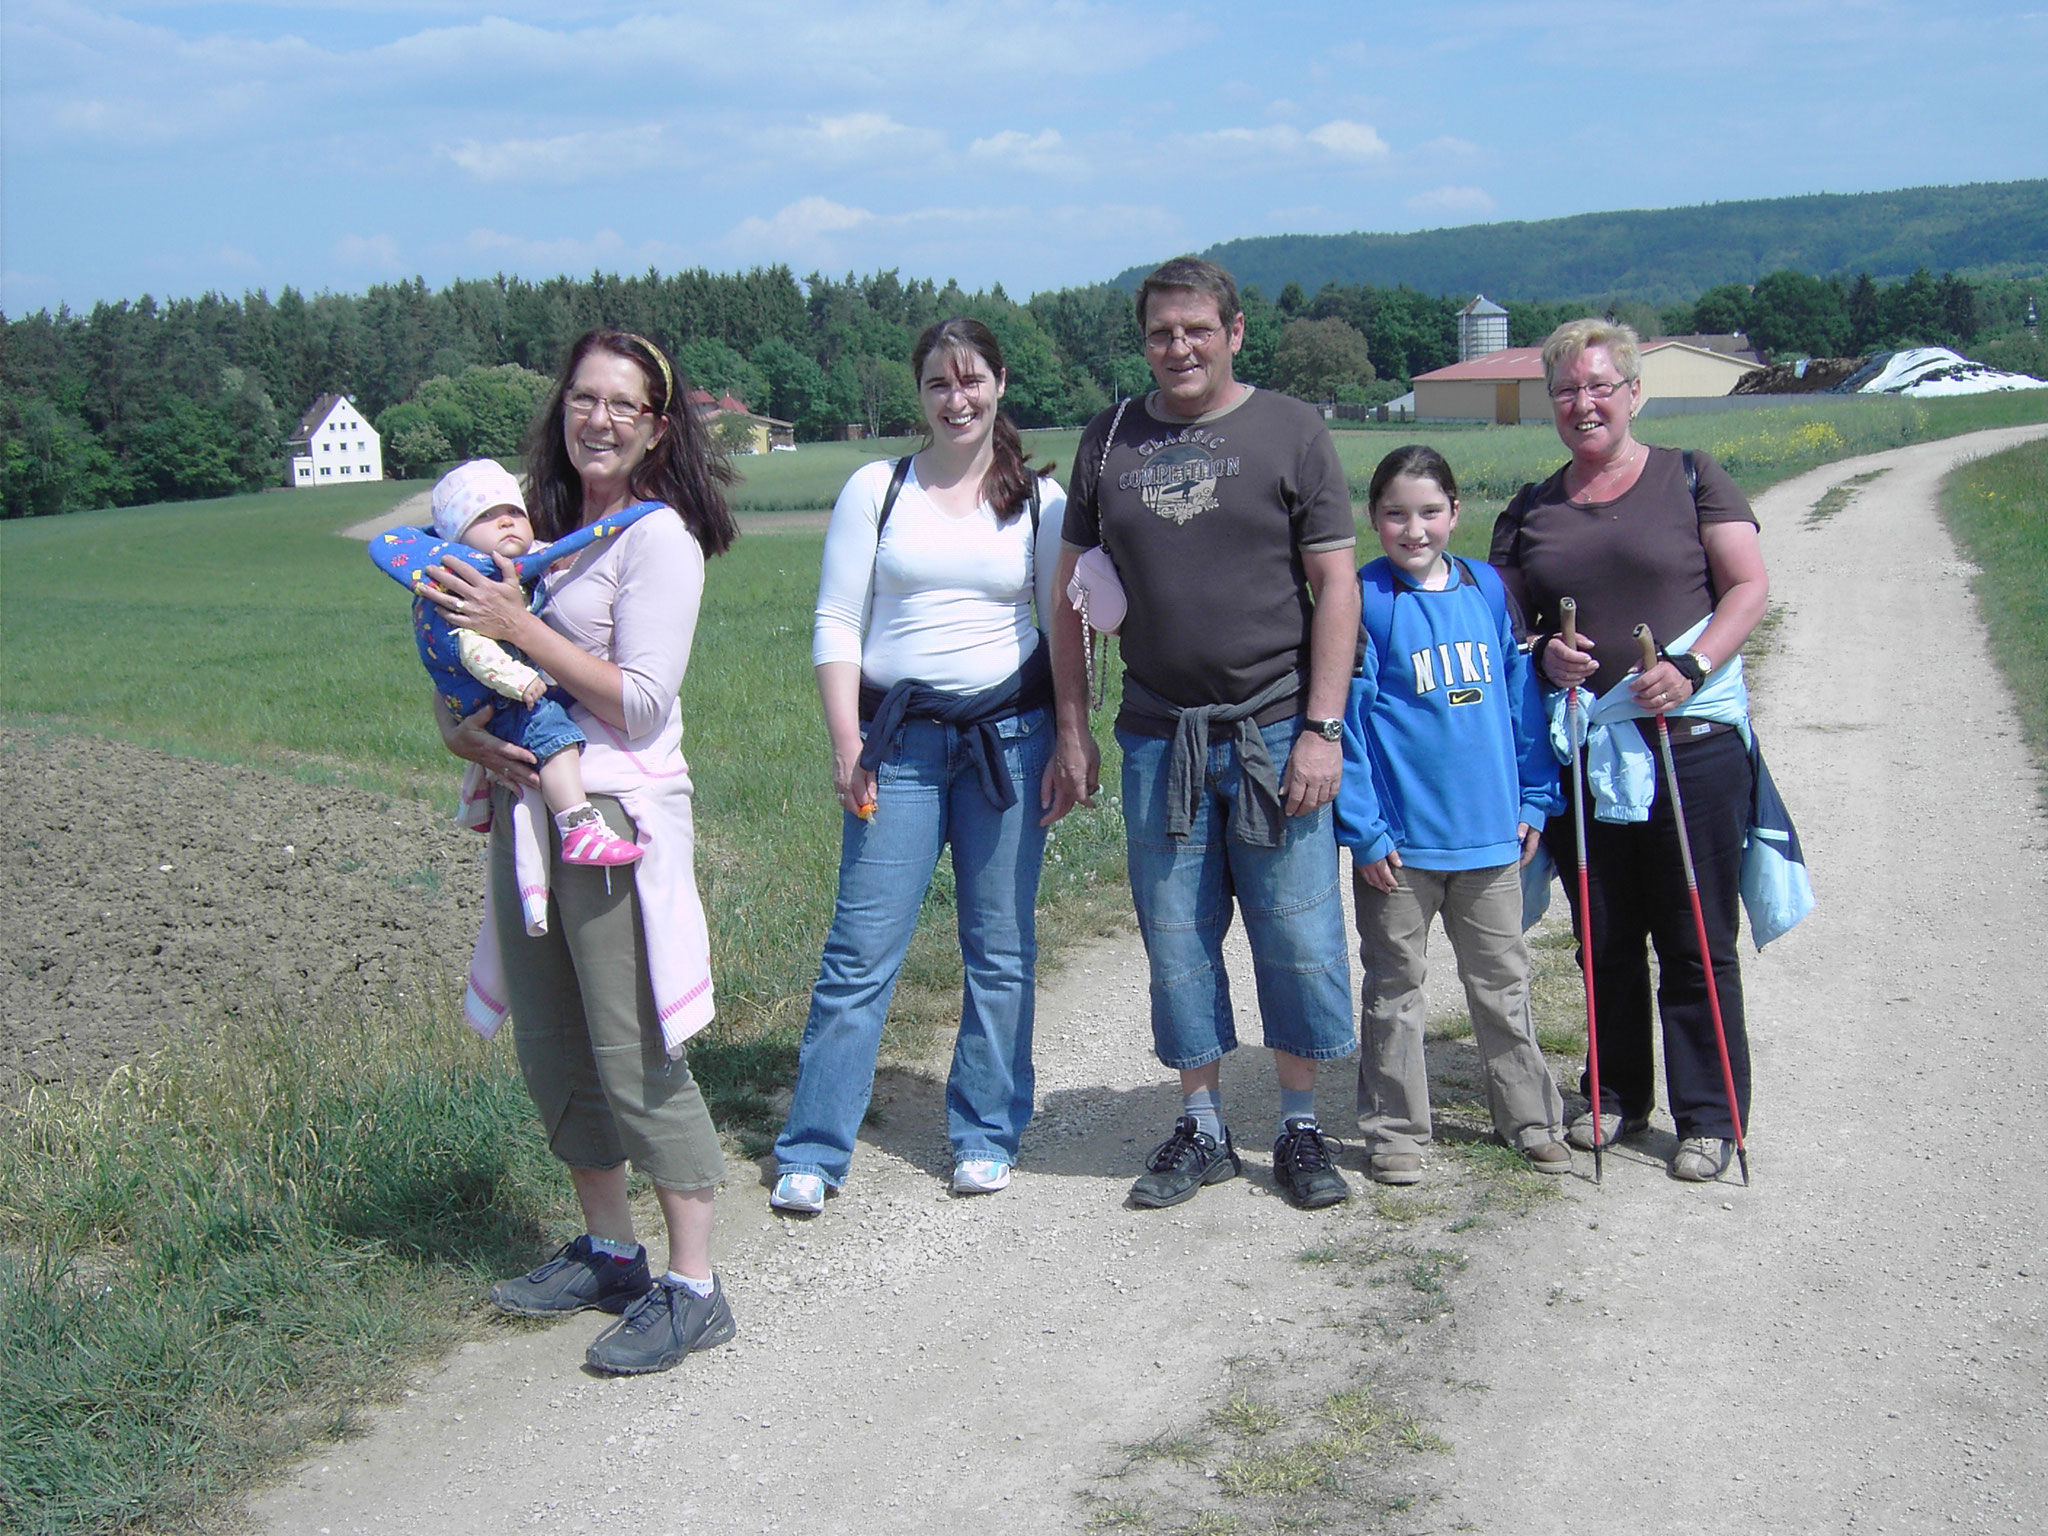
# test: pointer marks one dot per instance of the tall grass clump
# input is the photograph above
(1997, 509)
(218, 1255)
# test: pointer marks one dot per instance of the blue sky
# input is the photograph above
(172, 148)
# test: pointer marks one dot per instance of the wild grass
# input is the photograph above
(218, 1256)
(1997, 509)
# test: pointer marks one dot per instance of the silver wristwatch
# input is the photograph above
(1329, 730)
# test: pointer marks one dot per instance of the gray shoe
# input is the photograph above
(1612, 1129)
(1182, 1164)
(665, 1324)
(576, 1279)
(1549, 1157)
(1396, 1168)
(1702, 1159)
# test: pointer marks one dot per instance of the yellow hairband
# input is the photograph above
(668, 379)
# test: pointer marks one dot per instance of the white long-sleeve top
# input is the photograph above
(955, 602)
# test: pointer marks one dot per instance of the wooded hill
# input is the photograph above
(1672, 255)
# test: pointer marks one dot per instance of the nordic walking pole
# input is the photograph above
(1699, 920)
(1570, 612)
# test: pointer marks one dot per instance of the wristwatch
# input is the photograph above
(1329, 730)
(1693, 666)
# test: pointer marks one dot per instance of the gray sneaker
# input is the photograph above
(1701, 1159)
(1182, 1164)
(665, 1324)
(576, 1279)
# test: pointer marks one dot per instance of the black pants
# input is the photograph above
(1636, 883)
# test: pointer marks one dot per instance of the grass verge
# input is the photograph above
(218, 1256)
(1997, 510)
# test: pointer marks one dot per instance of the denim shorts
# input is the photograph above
(542, 727)
(1184, 890)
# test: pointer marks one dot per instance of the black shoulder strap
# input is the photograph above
(1692, 480)
(889, 501)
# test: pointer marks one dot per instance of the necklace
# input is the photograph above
(1612, 470)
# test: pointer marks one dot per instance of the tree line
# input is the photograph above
(139, 402)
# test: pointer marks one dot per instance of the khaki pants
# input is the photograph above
(1482, 913)
(583, 1022)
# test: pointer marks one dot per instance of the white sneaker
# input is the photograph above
(980, 1176)
(803, 1193)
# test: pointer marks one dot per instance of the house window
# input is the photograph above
(344, 469)
(325, 470)
(363, 468)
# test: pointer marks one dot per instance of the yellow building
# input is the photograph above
(1506, 387)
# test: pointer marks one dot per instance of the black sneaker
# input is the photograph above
(1182, 1164)
(665, 1324)
(576, 1279)
(1302, 1166)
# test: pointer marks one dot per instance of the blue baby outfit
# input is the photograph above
(544, 727)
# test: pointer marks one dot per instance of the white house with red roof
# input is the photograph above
(1506, 387)
(335, 445)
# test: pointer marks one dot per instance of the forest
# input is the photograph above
(138, 401)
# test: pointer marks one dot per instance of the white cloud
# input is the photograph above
(798, 230)
(1350, 141)
(569, 253)
(855, 138)
(379, 253)
(601, 153)
(1451, 200)
(1043, 153)
(1340, 138)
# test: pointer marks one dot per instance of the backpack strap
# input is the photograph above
(889, 501)
(1377, 590)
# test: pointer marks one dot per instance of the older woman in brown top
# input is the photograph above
(1620, 531)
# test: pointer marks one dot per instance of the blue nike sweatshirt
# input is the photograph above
(1445, 746)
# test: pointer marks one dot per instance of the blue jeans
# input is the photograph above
(927, 795)
(1183, 890)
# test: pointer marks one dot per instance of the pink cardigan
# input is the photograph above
(632, 599)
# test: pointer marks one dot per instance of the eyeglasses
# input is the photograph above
(622, 412)
(1196, 336)
(1604, 391)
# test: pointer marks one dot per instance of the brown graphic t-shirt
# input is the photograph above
(1207, 521)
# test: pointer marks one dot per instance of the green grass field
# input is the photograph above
(1997, 508)
(207, 1262)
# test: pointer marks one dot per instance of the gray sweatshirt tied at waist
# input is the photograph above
(1260, 820)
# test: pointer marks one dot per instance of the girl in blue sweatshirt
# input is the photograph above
(1448, 779)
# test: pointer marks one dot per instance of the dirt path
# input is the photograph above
(1856, 1343)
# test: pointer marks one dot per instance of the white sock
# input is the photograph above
(576, 816)
(694, 1287)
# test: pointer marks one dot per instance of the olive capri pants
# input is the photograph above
(584, 1026)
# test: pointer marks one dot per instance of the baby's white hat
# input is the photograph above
(470, 490)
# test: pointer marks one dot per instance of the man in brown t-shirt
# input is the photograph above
(1226, 512)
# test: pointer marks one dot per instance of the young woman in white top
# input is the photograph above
(935, 679)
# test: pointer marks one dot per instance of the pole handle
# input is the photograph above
(1568, 612)
(1649, 645)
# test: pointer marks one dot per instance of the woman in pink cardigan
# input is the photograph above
(617, 976)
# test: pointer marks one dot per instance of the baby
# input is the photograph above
(478, 504)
